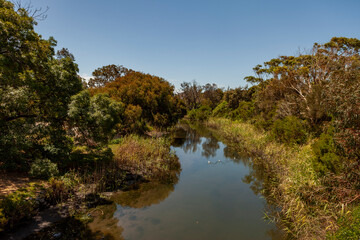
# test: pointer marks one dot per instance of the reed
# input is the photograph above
(150, 158)
(287, 179)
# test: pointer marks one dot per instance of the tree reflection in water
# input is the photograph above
(143, 195)
(106, 219)
(104, 224)
(190, 139)
(131, 208)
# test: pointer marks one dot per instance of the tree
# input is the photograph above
(191, 94)
(154, 95)
(296, 84)
(320, 86)
(107, 74)
(212, 95)
(343, 93)
(35, 90)
(93, 120)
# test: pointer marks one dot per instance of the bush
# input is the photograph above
(289, 130)
(3, 220)
(244, 111)
(58, 191)
(221, 110)
(86, 158)
(200, 114)
(17, 206)
(43, 169)
(325, 158)
(111, 178)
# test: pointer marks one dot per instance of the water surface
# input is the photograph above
(211, 200)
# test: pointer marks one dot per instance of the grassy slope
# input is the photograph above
(289, 181)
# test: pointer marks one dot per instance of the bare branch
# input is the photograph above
(38, 14)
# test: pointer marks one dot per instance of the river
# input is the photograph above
(212, 199)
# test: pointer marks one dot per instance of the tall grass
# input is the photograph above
(147, 157)
(288, 180)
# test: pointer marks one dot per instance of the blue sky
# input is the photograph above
(210, 41)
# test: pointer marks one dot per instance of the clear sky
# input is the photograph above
(210, 41)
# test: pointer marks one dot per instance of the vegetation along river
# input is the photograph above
(212, 198)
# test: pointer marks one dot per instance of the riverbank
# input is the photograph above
(304, 206)
(136, 159)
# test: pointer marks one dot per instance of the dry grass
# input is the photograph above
(287, 179)
(148, 157)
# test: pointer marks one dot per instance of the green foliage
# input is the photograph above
(237, 95)
(35, 91)
(3, 220)
(154, 96)
(94, 119)
(325, 158)
(245, 111)
(221, 110)
(191, 94)
(201, 114)
(58, 190)
(43, 169)
(107, 74)
(212, 95)
(18, 206)
(289, 130)
(88, 158)
(349, 227)
(112, 178)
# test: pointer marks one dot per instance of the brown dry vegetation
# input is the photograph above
(147, 157)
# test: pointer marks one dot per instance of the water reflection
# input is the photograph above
(104, 224)
(144, 195)
(215, 197)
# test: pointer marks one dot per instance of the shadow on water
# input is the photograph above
(143, 195)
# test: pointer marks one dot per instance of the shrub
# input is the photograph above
(3, 220)
(17, 206)
(58, 191)
(200, 114)
(221, 110)
(244, 111)
(43, 169)
(289, 130)
(111, 178)
(325, 158)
